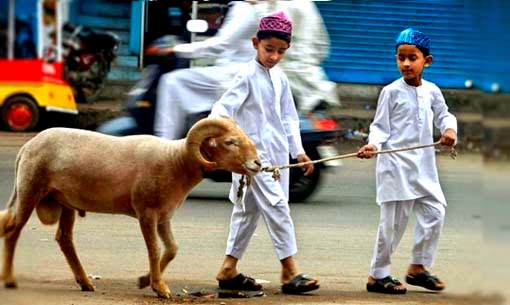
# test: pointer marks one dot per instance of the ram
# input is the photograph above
(63, 171)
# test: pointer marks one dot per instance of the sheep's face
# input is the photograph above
(235, 153)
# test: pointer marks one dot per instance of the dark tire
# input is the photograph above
(301, 187)
(88, 91)
(20, 113)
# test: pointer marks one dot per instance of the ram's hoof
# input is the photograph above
(144, 281)
(162, 290)
(87, 287)
(11, 285)
(165, 295)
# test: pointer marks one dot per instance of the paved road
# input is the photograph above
(335, 230)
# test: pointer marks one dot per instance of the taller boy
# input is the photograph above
(261, 102)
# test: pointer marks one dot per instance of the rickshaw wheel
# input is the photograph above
(20, 113)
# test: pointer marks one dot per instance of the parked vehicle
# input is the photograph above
(29, 86)
(88, 55)
(318, 133)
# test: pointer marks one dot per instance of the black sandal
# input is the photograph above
(301, 283)
(425, 280)
(240, 282)
(386, 285)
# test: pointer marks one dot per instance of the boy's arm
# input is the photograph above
(380, 129)
(443, 119)
(290, 121)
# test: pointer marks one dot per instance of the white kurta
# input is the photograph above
(405, 117)
(262, 104)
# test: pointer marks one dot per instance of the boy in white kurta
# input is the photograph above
(261, 103)
(408, 181)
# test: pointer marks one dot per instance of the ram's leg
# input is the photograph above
(165, 233)
(9, 248)
(148, 226)
(21, 217)
(64, 237)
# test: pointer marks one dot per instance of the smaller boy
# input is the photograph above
(408, 181)
(261, 103)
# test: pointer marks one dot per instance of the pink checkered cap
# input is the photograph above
(278, 22)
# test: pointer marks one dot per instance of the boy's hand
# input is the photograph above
(367, 151)
(308, 168)
(448, 138)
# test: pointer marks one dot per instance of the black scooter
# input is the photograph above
(317, 133)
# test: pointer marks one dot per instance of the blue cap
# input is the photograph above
(414, 37)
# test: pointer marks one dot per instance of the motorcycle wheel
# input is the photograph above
(301, 187)
(20, 113)
(88, 92)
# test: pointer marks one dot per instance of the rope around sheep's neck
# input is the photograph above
(276, 169)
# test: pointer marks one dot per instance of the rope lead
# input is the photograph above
(277, 174)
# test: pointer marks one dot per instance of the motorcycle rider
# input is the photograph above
(311, 87)
(194, 90)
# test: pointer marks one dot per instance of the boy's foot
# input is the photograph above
(425, 280)
(240, 282)
(301, 283)
(388, 285)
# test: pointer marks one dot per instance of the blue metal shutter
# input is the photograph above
(363, 40)
(492, 26)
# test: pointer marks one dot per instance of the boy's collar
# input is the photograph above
(261, 65)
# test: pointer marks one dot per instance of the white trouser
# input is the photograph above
(430, 215)
(278, 223)
(188, 91)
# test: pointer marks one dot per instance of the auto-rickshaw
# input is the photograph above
(30, 86)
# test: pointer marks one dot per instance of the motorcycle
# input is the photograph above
(318, 133)
(88, 55)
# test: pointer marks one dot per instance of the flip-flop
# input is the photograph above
(240, 282)
(299, 284)
(386, 285)
(425, 280)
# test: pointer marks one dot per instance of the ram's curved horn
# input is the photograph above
(204, 129)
